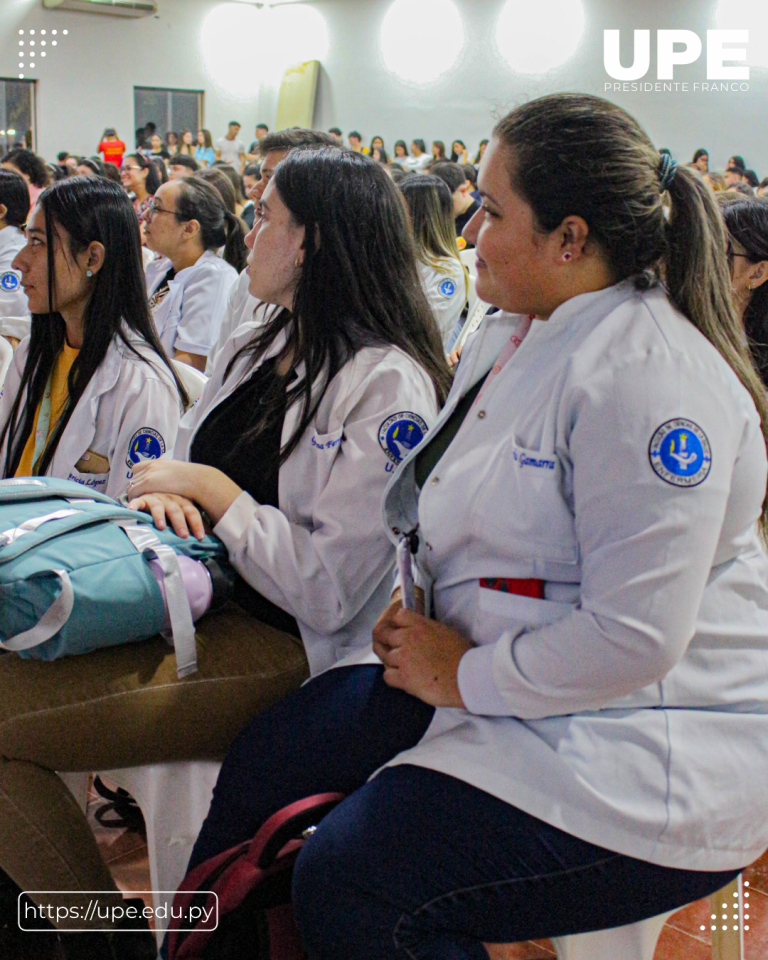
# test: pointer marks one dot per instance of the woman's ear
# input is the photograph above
(191, 229)
(758, 274)
(96, 255)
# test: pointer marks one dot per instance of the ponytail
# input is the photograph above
(235, 250)
(699, 284)
(219, 227)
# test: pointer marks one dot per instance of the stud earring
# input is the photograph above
(89, 273)
(296, 262)
(567, 257)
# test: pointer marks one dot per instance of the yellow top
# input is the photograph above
(59, 394)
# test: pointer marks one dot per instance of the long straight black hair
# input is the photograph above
(359, 286)
(89, 209)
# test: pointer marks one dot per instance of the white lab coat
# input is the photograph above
(241, 307)
(129, 412)
(189, 317)
(323, 556)
(416, 164)
(446, 290)
(15, 319)
(630, 706)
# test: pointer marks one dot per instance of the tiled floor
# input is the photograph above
(681, 939)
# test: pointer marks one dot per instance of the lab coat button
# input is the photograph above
(435, 480)
(396, 531)
(481, 415)
(429, 546)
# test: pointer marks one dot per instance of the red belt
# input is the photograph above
(523, 588)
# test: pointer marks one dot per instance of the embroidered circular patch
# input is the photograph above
(9, 282)
(680, 454)
(146, 444)
(400, 433)
(447, 288)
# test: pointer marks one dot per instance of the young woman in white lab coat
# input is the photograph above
(315, 412)
(14, 210)
(326, 396)
(574, 732)
(90, 393)
(443, 275)
(188, 284)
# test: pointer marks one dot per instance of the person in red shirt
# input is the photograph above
(112, 147)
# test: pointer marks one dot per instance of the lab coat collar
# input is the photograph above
(182, 275)
(598, 304)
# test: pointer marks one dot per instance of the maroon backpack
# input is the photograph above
(253, 884)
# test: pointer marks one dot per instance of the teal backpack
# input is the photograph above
(75, 573)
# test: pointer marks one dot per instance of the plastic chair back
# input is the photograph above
(194, 381)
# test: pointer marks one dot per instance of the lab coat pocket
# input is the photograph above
(94, 481)
(520, 508)
(502, 612)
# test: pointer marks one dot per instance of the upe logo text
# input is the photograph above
(677, 47)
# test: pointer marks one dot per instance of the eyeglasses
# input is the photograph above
(130, 166)
(731, 253)
(152, 208)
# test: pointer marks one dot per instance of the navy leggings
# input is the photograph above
(416, 863)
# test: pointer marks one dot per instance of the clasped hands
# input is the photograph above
(420, 656)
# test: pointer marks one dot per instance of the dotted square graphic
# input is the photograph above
(36, 45)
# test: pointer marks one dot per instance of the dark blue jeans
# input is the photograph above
(416, 863)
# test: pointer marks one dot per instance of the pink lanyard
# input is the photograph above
(508, 350)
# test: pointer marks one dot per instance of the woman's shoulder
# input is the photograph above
(383, 368)
(138, 362)
(211, 263)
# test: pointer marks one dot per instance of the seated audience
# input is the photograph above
(464, 204)
(186, 147)
(401, 152)
(701, 160)
(349, 377)
(356, 142)
(15, 318)
(716, 181)
(583, 696)
(31, 167)
(204, 152)
(140, 179)
(91, 392)
(459, 152)
(471, 174)
(172, 142)
(87, 167)
(158, 148)
(380, 155)
(377, 143)
(443, 275)
(181, 165)
(337, 135)
(419, 159)
(762, 188)
(185, 223)
(737, 161)
(746, 221)
(438, 151)
(480, 152)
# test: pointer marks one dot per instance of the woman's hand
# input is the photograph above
(420, 655)
(166, 508)
(206, 486)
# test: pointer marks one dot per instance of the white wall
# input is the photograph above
(87, 83)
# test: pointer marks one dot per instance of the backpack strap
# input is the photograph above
(51, 621)
(146, 541)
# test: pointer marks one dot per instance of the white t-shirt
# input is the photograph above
(230, 150)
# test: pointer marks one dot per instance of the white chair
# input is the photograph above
(6, 355)
(469, 259)
(636, 941)
(174, 798)
(194, 381)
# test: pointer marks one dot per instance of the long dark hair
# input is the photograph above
(747, 221)
(434, 228)
(575, 154)
(359, 285)
(89, 209)
(219, 227)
